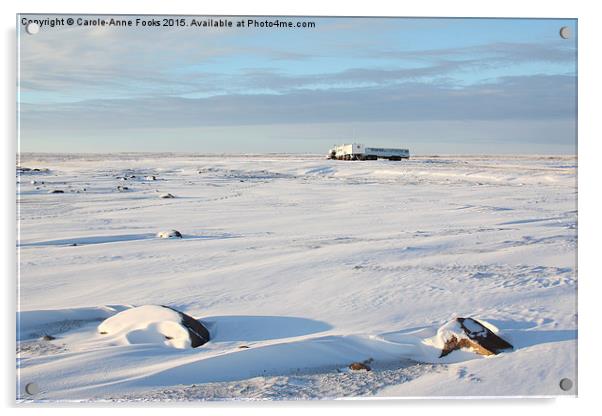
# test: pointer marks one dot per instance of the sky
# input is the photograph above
(435, 86)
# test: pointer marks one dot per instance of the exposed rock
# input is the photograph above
(472, 334)
(169, 234)
(150, 178)
(359, 366)
(22, 169)
(56, 191)
(48, 337)
(122, 188)
(199, 335)
(166, 196)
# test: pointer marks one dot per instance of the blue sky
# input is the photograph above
(432, 85)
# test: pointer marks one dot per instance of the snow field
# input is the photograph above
(312, 264)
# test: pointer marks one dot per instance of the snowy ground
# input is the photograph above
(311, 264)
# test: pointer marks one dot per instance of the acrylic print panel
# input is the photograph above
(226, 208)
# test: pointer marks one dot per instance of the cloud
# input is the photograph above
(81, 63)
(536, 97)
(494, 52)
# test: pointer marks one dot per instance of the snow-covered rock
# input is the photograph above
(169, 234)
(166, 196)
(154, 324)
(468, 333)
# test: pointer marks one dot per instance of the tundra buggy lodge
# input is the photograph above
(357, 151)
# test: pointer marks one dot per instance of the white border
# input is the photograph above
(589, 188)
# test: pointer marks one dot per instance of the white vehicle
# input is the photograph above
(357, 151)
(351, 151)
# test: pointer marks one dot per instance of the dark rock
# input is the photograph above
(56, 191)
(199, 335)
(48, 337)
